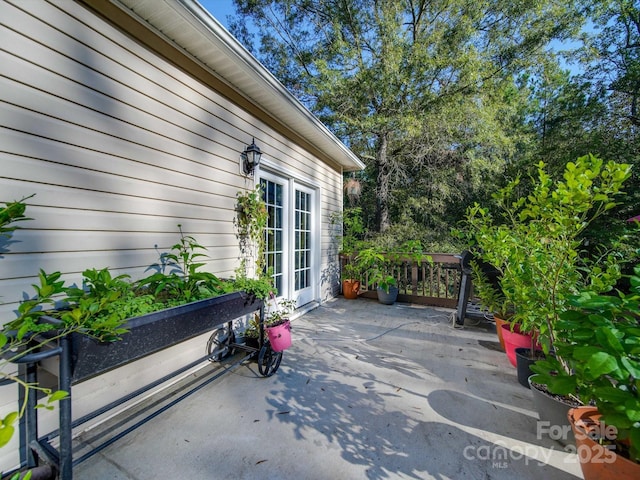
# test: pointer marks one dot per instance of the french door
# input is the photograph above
(291, 238)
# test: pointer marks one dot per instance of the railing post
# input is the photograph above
(414, 277)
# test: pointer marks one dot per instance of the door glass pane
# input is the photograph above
(302, 237)
(273, 197)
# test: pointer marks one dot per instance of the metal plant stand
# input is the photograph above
(81, 358)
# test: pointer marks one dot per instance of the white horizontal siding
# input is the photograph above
(127, 202)
(119, 146)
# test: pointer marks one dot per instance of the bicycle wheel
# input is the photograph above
(219, 343)
(268, 360)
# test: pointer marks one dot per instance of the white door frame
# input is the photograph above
(290, 185)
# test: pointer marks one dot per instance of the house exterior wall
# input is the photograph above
(119, 146)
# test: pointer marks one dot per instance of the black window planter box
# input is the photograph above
(82, 357)
(156, 331)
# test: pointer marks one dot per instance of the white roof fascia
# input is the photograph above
(195, 31)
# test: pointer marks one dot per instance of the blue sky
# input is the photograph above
(219, 9)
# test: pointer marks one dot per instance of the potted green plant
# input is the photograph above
(277, 315)
(487, 288)
(349, 229)
(378, 268)
(278, 311)
(386, 288)
(278, 324)
(598, 360)
(350, 276)
(535, 242)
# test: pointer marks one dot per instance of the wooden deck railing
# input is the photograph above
(435, 282)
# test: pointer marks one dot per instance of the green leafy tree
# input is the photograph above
(593, 110)
(419, 89)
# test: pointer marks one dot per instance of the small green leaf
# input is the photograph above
(632, 366)
(600, 364)
(6, 432)
(632, 409)
(562, 385)
(585, 353)
(10, 418)
(607, 337)
(57, 395)
(612, 395)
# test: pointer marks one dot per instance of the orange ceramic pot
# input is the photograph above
(597, 461)
(499, 323)
(350, 288)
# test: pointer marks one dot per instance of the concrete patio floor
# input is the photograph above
(366, 391)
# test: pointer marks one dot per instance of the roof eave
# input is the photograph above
(238, 68)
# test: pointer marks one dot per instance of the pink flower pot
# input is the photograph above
(514, 339)
(280, 336)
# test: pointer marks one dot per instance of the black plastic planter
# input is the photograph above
(156, 331)
(524, 362)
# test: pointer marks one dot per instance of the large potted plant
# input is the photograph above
(349, 232)
(536, 242)
(487, 288)
(378, 269)
(598, 360)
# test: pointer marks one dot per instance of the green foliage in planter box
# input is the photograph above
(101, 307)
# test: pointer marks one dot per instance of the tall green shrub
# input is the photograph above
(536, 244)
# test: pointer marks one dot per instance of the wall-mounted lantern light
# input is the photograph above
(251, 158)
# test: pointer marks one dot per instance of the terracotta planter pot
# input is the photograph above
(597, 461)
(499, 323)
(350, 289)
(515, 339)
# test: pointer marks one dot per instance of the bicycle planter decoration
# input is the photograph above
(273, 337)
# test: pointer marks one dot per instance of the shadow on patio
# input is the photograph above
(366, 391)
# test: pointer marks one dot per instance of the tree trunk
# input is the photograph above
(382, 183)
